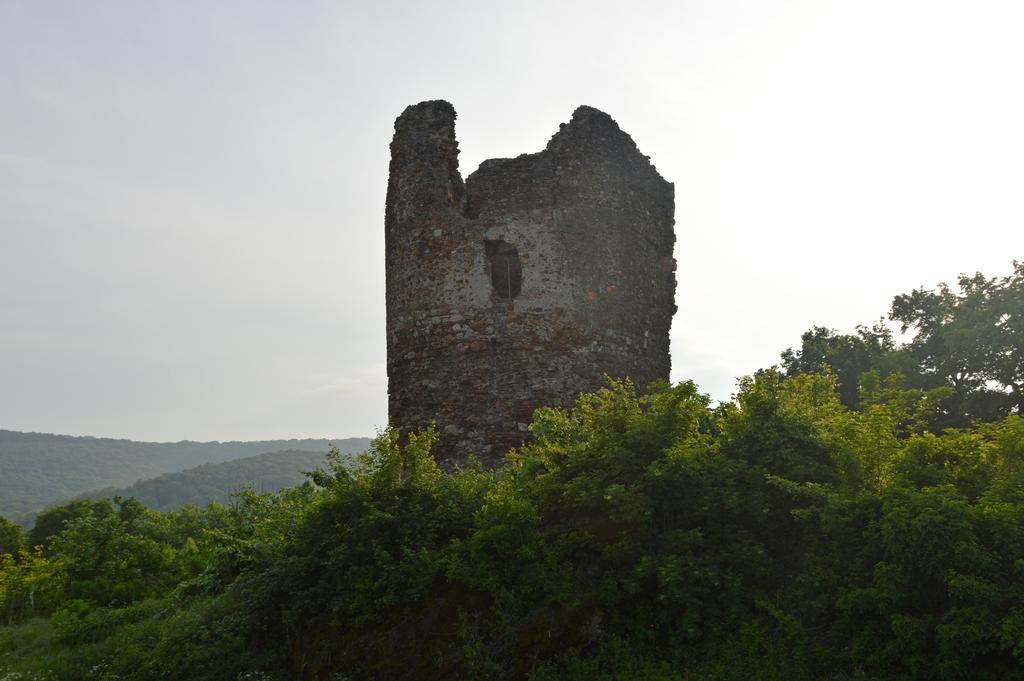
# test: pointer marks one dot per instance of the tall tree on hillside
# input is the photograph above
(12, 539)
(848, 355)
(971, 339)
(52, 521)
(1007, 363)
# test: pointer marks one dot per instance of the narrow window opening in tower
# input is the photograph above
(506, 269)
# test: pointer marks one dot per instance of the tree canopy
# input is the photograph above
(969, 339)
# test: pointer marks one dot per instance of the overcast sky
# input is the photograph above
(192, 193)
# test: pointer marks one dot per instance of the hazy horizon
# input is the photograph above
(173, 442)
(192, 197)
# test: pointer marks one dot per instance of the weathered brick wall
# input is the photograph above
(524, 285)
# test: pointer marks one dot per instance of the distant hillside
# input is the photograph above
(37, 469)
(217, 481)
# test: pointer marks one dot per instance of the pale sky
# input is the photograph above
(192, 193)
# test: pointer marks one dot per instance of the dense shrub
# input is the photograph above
(782, 535)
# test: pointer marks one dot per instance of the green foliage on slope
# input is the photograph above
(825, 524)
(780, 536)
(38, 469)
(216, 482)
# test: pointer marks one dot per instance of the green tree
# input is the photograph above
(51, 522)
(107, 559)
(30, 584)
(971, 339)
(847, 355)
(12, 539)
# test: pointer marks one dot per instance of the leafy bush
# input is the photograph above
(779, 536)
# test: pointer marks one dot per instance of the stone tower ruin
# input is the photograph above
(523, 285)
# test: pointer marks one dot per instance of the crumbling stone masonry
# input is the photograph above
(524, 285)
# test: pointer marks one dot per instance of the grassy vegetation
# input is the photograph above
(782, 535)
(799, 531)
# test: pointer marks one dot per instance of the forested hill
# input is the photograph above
(37, 469)
(212, 482)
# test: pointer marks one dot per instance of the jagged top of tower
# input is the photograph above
(590, 131)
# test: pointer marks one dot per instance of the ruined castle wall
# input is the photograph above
(524, 285)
